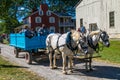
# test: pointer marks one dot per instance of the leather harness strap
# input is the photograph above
(90, 43)
(68, 43)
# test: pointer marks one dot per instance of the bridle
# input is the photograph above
(103, 36)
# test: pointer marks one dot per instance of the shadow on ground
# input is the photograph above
(108, 72)
(100, 71)
(11, 66)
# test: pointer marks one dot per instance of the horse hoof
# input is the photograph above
(51, 67)
(87, 70)
(55, 67)
(91, 69)
(70, 71)
(64, 72)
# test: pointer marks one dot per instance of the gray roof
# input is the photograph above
(62, 14)
(78, 3)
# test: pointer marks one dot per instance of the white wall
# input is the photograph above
(97, 11)
(111, 5)
(89, 11)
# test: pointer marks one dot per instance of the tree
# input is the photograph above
(63, 6)
(8, 11)
(12, 10)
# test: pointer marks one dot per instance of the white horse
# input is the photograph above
(65, 44)
(93, 40)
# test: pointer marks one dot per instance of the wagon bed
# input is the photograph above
(23, 42)
(30, 45)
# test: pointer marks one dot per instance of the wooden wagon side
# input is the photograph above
(29, 45)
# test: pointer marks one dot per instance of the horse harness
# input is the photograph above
(90, 43)
(68, 43)
(96, 47)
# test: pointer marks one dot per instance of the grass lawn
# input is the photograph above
(9, 71)
(111, 54)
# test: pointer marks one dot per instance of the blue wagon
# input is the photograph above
(30, 45)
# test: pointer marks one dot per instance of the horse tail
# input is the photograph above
(48, 44)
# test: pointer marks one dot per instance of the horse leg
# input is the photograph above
(64, 63)
(86, 62)
(71, 63)
(51, 60)
(54, 61)
(90, 62)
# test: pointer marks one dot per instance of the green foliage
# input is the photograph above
(9, 71)
(8, 11)
(63, 6)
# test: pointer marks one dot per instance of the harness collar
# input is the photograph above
(68, 42)
(90, 43)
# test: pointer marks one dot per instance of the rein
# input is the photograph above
(101, 47)
(96, 47)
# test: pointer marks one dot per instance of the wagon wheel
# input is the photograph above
(16, 52)
(28, 57)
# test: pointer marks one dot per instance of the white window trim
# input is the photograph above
(36, 19)
(41, 13)
(51, 19)
(48, 13)
(29, 19)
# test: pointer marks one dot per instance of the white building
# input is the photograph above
(102, 14)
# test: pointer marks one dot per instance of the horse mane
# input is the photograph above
(75, 34)
(94, 33)
(68, 37)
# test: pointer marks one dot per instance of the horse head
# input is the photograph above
(94, 37)
(104, 38)
(82, 44)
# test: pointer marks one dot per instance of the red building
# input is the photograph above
(55, 22)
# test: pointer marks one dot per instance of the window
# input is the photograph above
(111, 19)
(40, 12)
(52, 20)
(81, 22)
(38, 19)
(52, 29)
(93, 27)
(48, 13)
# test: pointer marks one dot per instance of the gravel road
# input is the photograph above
(102, 71)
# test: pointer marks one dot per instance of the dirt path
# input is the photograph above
(102, 71)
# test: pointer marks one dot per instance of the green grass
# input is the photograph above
(9, 71)
(112, 54)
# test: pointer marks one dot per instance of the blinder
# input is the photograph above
(105, 38)
(83, 45)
